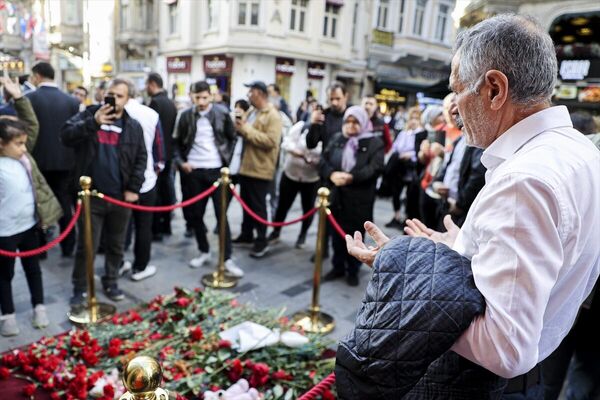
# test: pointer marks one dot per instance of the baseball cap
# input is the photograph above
(260, 85)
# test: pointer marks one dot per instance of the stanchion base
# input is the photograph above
(323, 323)
(211, 280)
(81, 314)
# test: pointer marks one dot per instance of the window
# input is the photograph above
(330, 20)
(442, 21)
(419, 16)
(248, 13)
(354, 21)
(124, 14)
(298, 15)
(213, 14)
(72, 12)
(401, 16)
(150, 14)
(173, 18)
(382, 14)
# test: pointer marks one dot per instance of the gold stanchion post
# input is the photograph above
(313, 320)
(142, 377)
(94, 310)
(219, 279)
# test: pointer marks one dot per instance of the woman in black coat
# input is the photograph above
(351, 164)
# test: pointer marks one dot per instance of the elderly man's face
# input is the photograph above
(470, 108)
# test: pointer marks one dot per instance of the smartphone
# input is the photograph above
(110, 100)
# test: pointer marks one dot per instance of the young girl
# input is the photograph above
(21, 188)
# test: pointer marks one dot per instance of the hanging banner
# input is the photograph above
(180, 64)
(284, 66)
(217, 65)
(316, 70)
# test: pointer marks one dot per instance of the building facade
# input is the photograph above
(402, 46)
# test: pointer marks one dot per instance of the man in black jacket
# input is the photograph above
(326, 123)
(52, 108)
(109, 147)
(204, 139)
(167, 113)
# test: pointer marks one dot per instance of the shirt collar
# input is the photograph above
(203, 113)
(523, 131)
(48, 84)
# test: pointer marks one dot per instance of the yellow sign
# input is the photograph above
(383, 38)
(107, 68)
(390, 95)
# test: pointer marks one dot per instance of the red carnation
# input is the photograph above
(224, 344)
(327, 395)
(109, 391)
(29, 390)
(54, 396)
(4, 373)
(196, 333)
(235, 373)
(183, 302)
(282, 375)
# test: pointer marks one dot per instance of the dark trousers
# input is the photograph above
(113, 220)
(533, 393)
(60, 183)
(430, 210)
(23, 241)
(195, 183)
(341, 260)
(254, 192)
(165, 196)
(142, 223)
(396, 188)
(412, 200)
(288, 189)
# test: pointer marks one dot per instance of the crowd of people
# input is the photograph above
(48, 139)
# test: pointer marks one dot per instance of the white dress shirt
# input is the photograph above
(533, 237)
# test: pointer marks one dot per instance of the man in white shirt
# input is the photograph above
(532, 232)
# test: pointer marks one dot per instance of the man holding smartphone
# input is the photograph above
(109, 147)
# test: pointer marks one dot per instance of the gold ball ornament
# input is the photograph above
(142, 375)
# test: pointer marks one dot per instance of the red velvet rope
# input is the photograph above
(47, 246)
(264, 221)
(138, 207)
(335, 224)
(318, 390)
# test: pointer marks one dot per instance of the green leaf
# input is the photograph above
(277, 391)
(290, 394)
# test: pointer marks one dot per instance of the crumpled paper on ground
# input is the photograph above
(252, 336)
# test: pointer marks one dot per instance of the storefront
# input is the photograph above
(284, 70)
(179, 70)
(578, 53)
(217, 70)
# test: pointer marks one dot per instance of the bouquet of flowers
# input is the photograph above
(182, 332)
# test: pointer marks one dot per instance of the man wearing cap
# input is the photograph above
(261, 132)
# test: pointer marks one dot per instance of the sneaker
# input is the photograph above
(199, 261)
(9, 325)
(114, 293)
(273, 237)
(232, 269)
(352, 280)
(394, 223)
(125, 267)
(243, 241)
(78, 298)
(333, 275)
(260, 249)
(301, 241)
(147, 272)
(40, 319)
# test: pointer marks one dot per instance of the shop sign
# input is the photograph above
(180, 64)
(218, 65)
(390, 95)
(284, 66)
(316, 70)
(566, 92)
(383, 38)
(574, 69)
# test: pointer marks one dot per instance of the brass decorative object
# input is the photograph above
(219, 279)
(142, 377)
(313, 320)
(93, 311)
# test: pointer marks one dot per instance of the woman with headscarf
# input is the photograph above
(351, 164)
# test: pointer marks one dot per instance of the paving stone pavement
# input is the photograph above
(282, 279)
